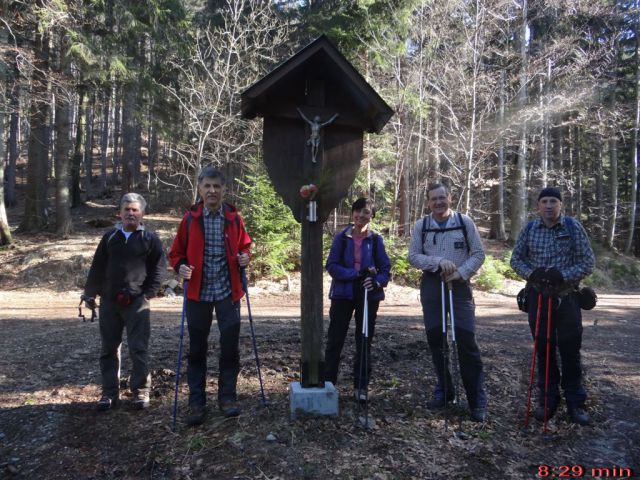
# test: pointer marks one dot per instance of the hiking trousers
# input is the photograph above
(114, 318)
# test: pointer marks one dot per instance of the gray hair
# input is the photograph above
(133, 198)
(211, 172)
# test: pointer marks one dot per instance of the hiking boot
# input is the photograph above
(197, 414)
(229, 408)
(479, 414)
(105, 403)
(538, 413)
(579, 415)
(141, 401)
(360, 395)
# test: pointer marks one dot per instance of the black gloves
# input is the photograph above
(537, 275)
(365, 272)
(554, 277)
(90, 302)
(550, 276)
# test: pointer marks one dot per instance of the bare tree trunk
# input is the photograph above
(600, 223)
(437, 159)
(88, 145)
(115, 98)
(497, 191)
(104, 139)
(130, 127)
(578, 174)
(153, 155)
(545, 127)
(5, 232)
(519, 192)
(613, 186)
(568, 173)
(76, 198)
(13, 86)
(63, 144)
(129, 140)
(634, 149)
(35, 209)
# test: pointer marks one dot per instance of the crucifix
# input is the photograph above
(314, 138)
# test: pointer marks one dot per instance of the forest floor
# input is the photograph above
(49, 382)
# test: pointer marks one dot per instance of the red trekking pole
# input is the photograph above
(533, 359)
(546, 374)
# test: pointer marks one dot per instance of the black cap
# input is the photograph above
(550, 192)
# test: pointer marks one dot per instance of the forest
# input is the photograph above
(495, 98)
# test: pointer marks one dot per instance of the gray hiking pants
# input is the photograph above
(136, 318)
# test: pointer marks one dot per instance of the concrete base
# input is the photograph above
(313, 401)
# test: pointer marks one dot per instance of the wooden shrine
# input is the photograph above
(316, 107)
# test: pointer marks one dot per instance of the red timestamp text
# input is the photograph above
(579, 471)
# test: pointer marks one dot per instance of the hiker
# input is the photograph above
(553, 254)
(446, 246)
(208, 251)
(126, 272)
(357, 261)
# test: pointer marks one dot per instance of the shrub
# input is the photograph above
(402, 271)
(489, 277)
(270, 223)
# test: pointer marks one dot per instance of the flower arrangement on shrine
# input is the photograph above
(309, 192)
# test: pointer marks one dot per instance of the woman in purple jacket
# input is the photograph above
(357, 261)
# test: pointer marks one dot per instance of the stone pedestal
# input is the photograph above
(313, 401)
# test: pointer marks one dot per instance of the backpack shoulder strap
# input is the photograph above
(464, 232)
(374, 247)
(343, 246)
(424, 232)
(189, 218)
(571, 226)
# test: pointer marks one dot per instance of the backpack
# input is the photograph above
(462, 227)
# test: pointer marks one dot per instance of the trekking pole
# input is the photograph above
(185, 284)
(243, 274)
(454, 346)
(445, 351)
(533, 359)
(364, 339)
(546, 374)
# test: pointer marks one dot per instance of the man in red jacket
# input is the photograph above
(209, 249)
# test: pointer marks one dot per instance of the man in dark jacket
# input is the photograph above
(553, 254)
(126, 272)
(209, 249)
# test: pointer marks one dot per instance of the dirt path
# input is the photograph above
(49, 383)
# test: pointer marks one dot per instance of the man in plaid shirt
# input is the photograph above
(553, 254)
(209, 249)
(446, 246)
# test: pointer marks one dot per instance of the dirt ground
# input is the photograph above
(49, 382)
(49, 378)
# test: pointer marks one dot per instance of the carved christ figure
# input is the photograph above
(316, 125)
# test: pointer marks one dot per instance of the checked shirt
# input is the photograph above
(540, 246)
(450, 245)
(216, 284)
